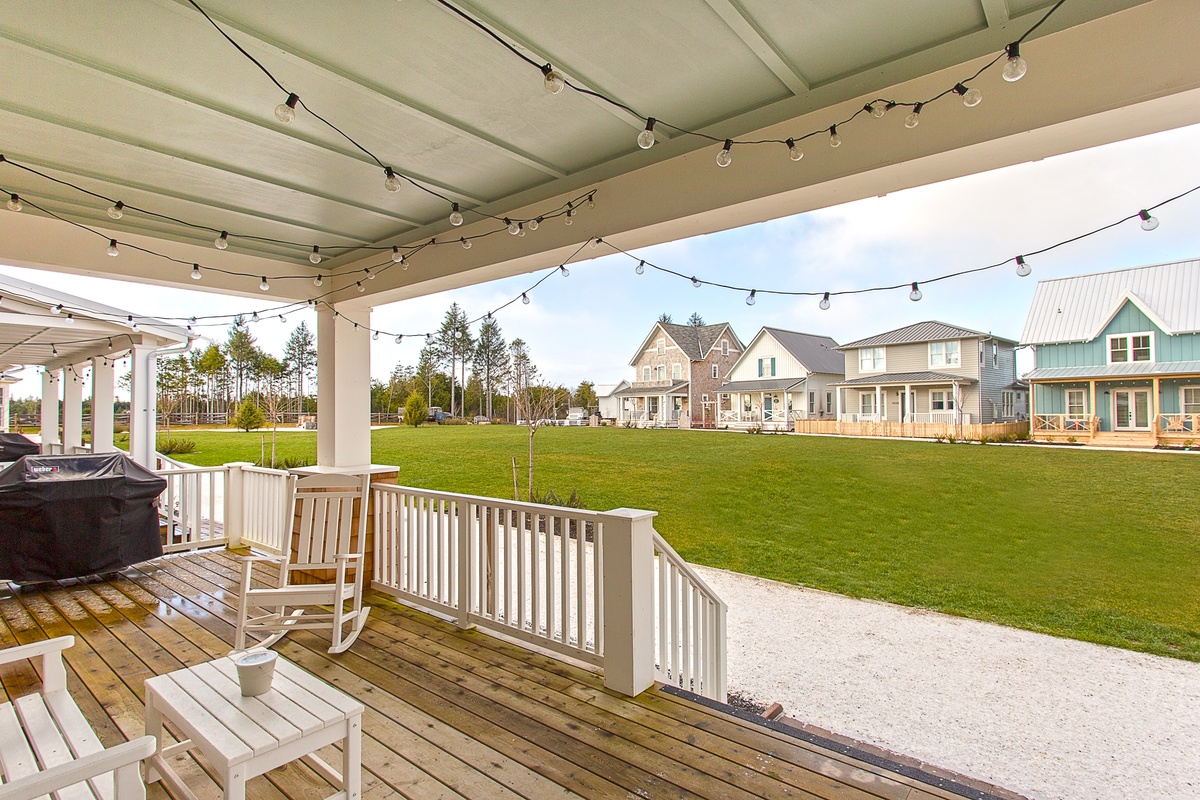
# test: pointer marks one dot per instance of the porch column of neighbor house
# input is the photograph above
(102, 405)
(628, 591)
(143, 405)
(1154, 407)
(880, 413)
(343, 387)
(1091, 403)
(837, 401)
(50, 381)
(5, 391)
(907, 405)
(72, 426)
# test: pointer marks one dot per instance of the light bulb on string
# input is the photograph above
(534, 224)
(593, 242)
(1015, 66)
(524, 298)
(563, 268)
(70, 320)
(520, 229)
(222, 241)
(1023, 268)
(724, 159)
(361, 288)
(750, 300)
(456, 217)
(282, 318)
(466, 243)
(591, 201)
(568, 219)
(196, 272)
(645, 139)
(56, 309)
(879, 108)
(794, 151)
(285, 112)
(429, 338)
(695, 282)
(971, 97)
(824, 304)
(375, 336)
(640, 268)
(315, 255)
(116, 210)
(915, 294)
(551, 80)
(513, 228)
(391, 181)
(254, 317)
(112, 248)
(1149, 223)
(397, 256)
(317, 281)
(14, 203)
(914, 119)
(835, 138)
(263, 285)
(399, 338)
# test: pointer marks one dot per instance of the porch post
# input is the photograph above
(72, 429)
(5, 391)
(838, 402)
(907, 405)
(1091, 404)
(880, 413)
(1032, 410)
(143, 405)
(1154, 426)
(102, 405)
(628, 586)
(49, 410)
(343, 387)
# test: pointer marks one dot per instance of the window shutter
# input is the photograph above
(772, 366)
(760, 367)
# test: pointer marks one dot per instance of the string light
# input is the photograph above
(429, 338)
(254, 318)
(593, 242)
(915, 295)
(879, 108)
(724, 159)
(112, 248)
(645, 139)
(196, 272)
(116, 210)
(466, 243)
(285, 112)
(1149, 223)
(512, 226)
(399, 338)
(568, 219)
(456, 217)
(525, 298)
(971, 97)
(375, 336)
(520, 229)
(794, 151)
(70, 320)
(750, 297)
(282, 318)
(824, 304)
(222, 241)
(640, 268)
(835, 138)
(563, 269)
(591, 200)
(551, 80)
(56, 309)
(315, 256)
(361, 288)
(14, 203)
(390, 181)
(914, 119)
(318, 281)
(1015, 67)
(695, 282)
(263, 285)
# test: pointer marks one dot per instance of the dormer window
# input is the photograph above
(1126, 347)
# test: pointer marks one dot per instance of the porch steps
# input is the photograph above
(1123, 439)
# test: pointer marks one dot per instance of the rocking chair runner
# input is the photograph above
(327, 540)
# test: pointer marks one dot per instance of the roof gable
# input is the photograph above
(931, 331)
(696, 341)
(1078, 308)
(815, 353)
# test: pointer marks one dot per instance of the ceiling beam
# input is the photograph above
(753, 37)
(344, 78)
(995, 12)
(560, 64)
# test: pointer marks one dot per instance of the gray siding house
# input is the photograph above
(931, 372)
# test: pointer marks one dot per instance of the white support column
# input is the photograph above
(72, 428)
(837, 397)
(50, 381)
(880, 413)
(343, 388)
(5, 393)
(628, 586)
(908, 403)
(143, 405)
(102, 405)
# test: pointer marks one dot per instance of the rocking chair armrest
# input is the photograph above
(347, 556)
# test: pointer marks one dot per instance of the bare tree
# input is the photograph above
(533, 398)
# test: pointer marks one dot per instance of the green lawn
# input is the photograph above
(1094, 545)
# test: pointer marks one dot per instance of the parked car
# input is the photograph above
(480, 419)
(435, 414)
(577, 416)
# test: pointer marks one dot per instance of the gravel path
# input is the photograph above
(1049, 718)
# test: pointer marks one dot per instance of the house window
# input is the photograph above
(941, 401)
(724, 397)
(944, 354)
(676, 371)
(870, 359)
(724, 347)
(646, 373)
(1130, 347)
(812, 402)
(1075, 403)
(662, 372)
(1191, 399)
(716, 371)
(995, 357)
(866, 403)
(829, 401)
(1008, 402)
(703, 398)
(766, 367)
(661, 346)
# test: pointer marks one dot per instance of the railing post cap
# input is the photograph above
(633, 513)
(240, 464)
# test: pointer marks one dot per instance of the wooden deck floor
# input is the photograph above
(450, 714)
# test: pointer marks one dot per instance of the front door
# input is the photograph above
(1131, 409)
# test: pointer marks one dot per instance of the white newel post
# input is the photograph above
(235, 496)
(102, 405)
(49, 410)
(143, 407)
(72, 428)
(628, 587)
(343, 388)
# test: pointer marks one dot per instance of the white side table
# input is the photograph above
(247, 736)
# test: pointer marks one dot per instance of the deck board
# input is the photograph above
(451, 714)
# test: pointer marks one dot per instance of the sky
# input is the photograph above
(588, 325)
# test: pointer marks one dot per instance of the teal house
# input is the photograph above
(1117, 356)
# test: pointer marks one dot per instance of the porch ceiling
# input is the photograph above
(145, 102)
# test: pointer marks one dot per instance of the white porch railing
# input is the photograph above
(689, 637)
(1179, 423)
(538, 574)
(854, 416)
(266, 505)
(939, 417)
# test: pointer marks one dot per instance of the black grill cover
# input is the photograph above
(14, 445)
(71, 516)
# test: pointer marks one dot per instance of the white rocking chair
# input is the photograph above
(328, 540)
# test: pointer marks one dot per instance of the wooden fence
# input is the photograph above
(911, 430)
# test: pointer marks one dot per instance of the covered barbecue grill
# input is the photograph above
(14, 445)
(75, 515)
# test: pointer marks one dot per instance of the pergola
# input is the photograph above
(147, 103)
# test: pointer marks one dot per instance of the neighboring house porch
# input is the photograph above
(925, 397)
(653, 406)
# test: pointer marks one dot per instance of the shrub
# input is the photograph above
(1021, 436)
(249, 416)
(288, 462)
(456, 421)
(984, 440)
(415, 410)
(172, 447)
(1072, 440)
(549, 498)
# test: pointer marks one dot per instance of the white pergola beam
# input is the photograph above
(744, 28)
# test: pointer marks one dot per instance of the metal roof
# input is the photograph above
(893, 378)
(608, 389)
(932, 331)
(1137, 369)
(815, 353)
(767, 385)
(650, 391)
(1077, 309)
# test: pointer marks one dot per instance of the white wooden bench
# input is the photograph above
(46, 744)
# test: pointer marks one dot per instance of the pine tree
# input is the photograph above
(242, 353)
(453, 345)
(664, 318)
(490, 363)
(300, 353)
(695, 320)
